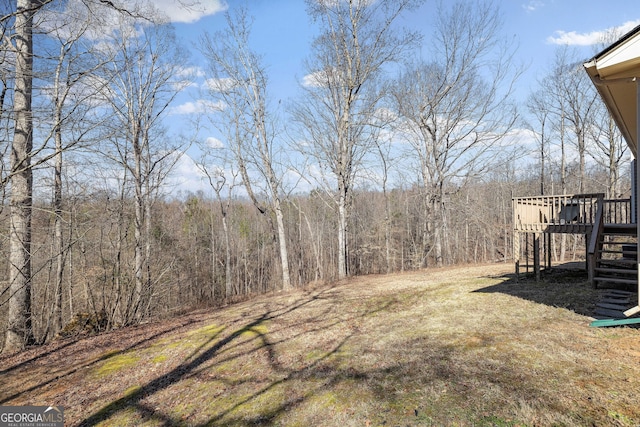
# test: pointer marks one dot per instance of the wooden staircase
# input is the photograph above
(612, 242)
(616, 254)
(615, 268)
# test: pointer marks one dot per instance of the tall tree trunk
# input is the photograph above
(138, 256)
(614, 167)
(138, 250)
(58, 243)
(117, 306)
(228, 279)
(343, 268)
(148, 288)
(437, 230)
(387, 229)
(58, 235)
(563, 182)
(282, 242)
(316, 245)
(19, 328)
(581, 154)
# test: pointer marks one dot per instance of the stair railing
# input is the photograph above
(617, 211)
(594, 240)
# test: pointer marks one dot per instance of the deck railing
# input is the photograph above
(587, 214)
(569, 212)
(617, 211)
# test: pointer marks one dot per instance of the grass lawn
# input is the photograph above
(463, 346)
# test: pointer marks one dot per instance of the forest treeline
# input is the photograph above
(384, 161)
(189, 265)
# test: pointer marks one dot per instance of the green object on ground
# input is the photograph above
(614, 322)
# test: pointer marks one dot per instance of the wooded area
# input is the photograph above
(412, 162)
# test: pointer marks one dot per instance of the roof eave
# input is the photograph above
(614, 72)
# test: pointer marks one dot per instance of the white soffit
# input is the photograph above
(615, 72)
(621, 61)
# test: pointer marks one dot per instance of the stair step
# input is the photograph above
(616, 270)
(611, 306)
(610, 251)
(621, 229)
(626, 246)
(620, 247)
(615, 314)
(618, 261)
(616, 280)
(615, 292)
(616, 300)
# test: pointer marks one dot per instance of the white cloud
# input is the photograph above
(315, 79)
(214, 143)
(532, 6)
(69, 19)
(191, 72)
(332, 4)
(322, 78)
(186, 177)
(189, 11)
(199, 106)
(187, 76)
(572, 38)
(219, 85)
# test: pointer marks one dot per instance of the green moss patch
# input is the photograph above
(132, 390)
(255, 331)
(208, 331)
(159, 358)
(117, 363)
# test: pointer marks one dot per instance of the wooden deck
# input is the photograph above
(569, 213)
(600, 220)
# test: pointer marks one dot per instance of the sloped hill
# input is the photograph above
(460, 346)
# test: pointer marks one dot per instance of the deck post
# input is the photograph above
(635, 184)
(587, 244)
(548, 250)
(516, 252)
(526, 251)
(536, 255)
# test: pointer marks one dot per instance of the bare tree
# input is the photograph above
(341, 94)
(610, 150)
(23, 159)
(574, 102)
(239, 80)
(222, 178)
(536, 104)
(7, 67)
(144, 80)
(19, 331)
(454, 109)
(70, 92)
(386, 160)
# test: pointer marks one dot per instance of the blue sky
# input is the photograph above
(282, 32)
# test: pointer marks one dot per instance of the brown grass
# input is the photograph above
(460, 346)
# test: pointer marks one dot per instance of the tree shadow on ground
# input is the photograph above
(249, 372)
(559, 287)
(72, 349)
(206, 352)
(336, 381)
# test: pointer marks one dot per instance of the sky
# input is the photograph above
(282, 32)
